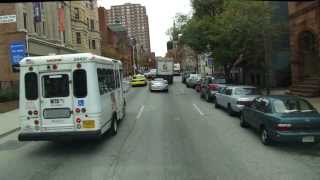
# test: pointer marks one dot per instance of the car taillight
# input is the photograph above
(212, 87)
(283, 127)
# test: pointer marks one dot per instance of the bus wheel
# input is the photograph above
(114, 126)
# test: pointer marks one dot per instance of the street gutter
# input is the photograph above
(9, 132)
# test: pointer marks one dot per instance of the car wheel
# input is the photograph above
(243, 122)
(265, 136)
(216, 105)
(230, 111)
(114, 126)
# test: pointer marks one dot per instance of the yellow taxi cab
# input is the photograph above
(138, 80)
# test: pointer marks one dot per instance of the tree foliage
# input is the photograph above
(232, 28)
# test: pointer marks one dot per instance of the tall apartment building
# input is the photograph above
(134, 18)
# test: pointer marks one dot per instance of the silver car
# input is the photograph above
(192, 81)
(159, 84)
(234, 98)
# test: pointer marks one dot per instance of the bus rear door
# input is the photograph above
(56, 102)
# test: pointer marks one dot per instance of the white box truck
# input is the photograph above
(165, 69)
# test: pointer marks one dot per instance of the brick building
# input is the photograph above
(115, 41)
(304, 40)
(134, 18)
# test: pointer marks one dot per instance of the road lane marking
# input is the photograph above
(198, 109)
(140, 112)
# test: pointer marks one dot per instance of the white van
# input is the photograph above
(70, 96)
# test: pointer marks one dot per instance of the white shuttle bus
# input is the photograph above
(70, 96)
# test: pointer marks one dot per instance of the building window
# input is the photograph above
(93, 44)
(92, 24)
(78, 36)
(35, 25)
(91, 5)
(43, 27)
(25, 20)
(89, 44)
(64, 36)
(88, 22)
(76, 13)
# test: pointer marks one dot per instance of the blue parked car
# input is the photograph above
(283, 119)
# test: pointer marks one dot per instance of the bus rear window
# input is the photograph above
(80, 83)
(56, 85)
(31, 85)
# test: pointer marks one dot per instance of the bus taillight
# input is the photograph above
(55, 67)
(35, 112)
(78, 120)
(77, 110)
(79, 65)
(29, 113)
(36, 122)
(30, 68)
(83, 110)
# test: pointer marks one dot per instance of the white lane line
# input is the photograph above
(198, 109)
(140, 112)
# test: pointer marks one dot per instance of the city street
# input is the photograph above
(173, 135)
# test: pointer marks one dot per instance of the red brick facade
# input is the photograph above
(304, 19)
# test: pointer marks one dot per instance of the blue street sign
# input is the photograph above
(17, 52)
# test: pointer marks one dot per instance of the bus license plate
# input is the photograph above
(308, 139)
(88, 124)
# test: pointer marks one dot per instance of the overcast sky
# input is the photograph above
(161, 14)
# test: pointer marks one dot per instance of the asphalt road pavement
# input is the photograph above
(173, 135)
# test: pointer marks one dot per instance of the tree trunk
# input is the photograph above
(227, 71)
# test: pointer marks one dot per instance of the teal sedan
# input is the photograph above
(282, 119)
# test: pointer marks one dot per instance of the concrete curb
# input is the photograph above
(9, 132)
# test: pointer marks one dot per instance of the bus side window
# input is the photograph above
(31, 86)
(100, 80)
(80, 89)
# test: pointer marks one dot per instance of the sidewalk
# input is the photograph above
(9, 122)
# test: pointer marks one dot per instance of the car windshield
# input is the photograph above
(292, 105)
(246, 91)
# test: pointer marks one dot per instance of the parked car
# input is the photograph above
(185, 76)
(138, 80)
(282, 118)
(234, 98)
(192, 81)
(159, 84)
(210, 86)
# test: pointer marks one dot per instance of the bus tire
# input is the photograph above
(114, 126)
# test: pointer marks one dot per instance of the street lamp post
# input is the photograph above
(133, 46)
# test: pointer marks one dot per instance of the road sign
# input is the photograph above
(8, 19)
(17, 51)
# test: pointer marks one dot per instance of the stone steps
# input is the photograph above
(309, 87)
